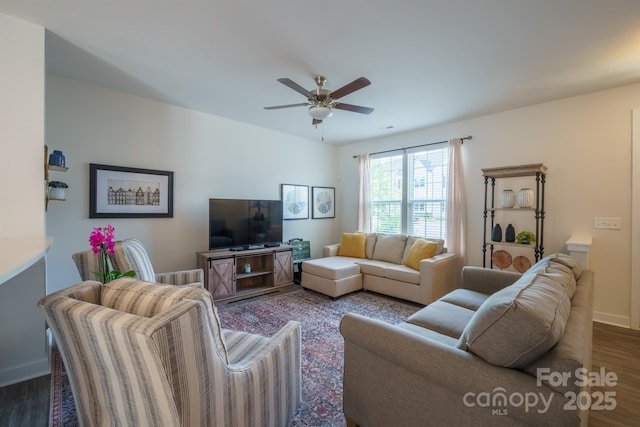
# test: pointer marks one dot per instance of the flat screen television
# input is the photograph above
(240, 222)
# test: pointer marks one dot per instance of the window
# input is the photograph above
(409, 191)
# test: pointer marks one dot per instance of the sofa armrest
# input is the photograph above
(193, 277)
(396, 377)
(439, 275)
(486, 280)
(330, 250)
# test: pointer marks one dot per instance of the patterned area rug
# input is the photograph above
(322, 347)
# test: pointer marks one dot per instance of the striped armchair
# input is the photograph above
(130, 254)
(146, 354)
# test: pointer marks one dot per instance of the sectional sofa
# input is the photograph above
(390, 264)
(504, 349)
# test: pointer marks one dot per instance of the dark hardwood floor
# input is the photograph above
(26, 404)
(615, 349)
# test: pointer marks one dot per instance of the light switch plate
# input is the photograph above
(609, 223)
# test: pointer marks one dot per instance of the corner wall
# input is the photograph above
(23, 351)
(586, 143)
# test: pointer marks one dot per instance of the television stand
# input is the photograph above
(232, 275)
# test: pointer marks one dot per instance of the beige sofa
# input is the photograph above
(382, 269)
(491, 353)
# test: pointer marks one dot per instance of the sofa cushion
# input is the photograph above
(421, 249)
(560, 265)
(390, 247)
(402, 273)
(147, 299)
(352, 245)
(465, 298)
(370, 244)
(428, 333)
(568, 354)
(442, 317)
(519, 323)
(334, 268)
(411, 240)
(373, 267)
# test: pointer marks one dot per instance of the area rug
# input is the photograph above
(322, 347)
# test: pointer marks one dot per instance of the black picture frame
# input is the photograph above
(295, 201)
(323, 200)
(125, 200)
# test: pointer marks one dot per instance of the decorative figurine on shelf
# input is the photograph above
(510, 234)
(57, 158)
(496, 234)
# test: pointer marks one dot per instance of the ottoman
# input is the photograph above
(332, 276)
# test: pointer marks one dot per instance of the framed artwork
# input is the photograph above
(121, 192)
(295, 201)
(324, 202)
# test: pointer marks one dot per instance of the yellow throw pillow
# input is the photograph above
(420, 250)
(352, 245)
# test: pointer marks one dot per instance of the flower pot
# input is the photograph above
(507, 199)
(56, 193)
(526, 198)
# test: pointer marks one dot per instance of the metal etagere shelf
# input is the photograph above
(537, 170)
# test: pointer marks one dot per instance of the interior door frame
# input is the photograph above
(635, 220)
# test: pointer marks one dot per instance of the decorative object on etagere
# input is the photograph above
(525, 237)
(507, 199)
(501, 259)
(510, 234)
(496, 233)
(521, 263)
(526, 198)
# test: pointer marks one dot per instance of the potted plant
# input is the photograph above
(525, 237)
(56, 189)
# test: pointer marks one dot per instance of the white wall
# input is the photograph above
(210, 157)
(585, 141)
(22, 329)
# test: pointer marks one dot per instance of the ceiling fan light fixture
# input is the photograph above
(320, 111)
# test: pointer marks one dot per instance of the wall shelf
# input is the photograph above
(50, 168)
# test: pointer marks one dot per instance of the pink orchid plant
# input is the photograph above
(101, 241)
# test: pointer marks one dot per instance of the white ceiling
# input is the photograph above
(429, 61)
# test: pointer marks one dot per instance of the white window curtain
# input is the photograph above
(364, 195)
(456, 202)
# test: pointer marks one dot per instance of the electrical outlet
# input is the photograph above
(609, 223)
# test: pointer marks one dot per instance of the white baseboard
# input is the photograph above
(25, 372)
(612, 319)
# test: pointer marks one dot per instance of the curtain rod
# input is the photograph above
(416, 146)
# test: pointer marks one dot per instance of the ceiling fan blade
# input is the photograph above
(350, 87)
(354, 108)
(277, 107)
(316, 122)
(295, 86)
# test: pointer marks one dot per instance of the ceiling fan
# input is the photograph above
(321, 102)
